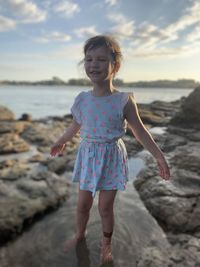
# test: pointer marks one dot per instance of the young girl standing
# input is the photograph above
(102, 115)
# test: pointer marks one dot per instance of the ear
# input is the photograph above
(116, 67)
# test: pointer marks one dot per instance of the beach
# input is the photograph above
(159, 219)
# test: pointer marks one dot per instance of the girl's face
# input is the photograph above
(99, 65)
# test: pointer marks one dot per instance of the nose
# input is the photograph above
(94, 64)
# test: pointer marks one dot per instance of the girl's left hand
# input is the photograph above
(163, 168)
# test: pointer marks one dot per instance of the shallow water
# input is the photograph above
(42, 244)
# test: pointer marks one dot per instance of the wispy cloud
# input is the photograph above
(190, 17)
(53, 37)
(194, 35)
(67, 8)
(86, 32)
(123, 26)
(111, 2)
(26, 11)
(149, 40)
(163, 52)
(6, 24)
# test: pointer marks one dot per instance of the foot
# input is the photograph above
(69, 244)
(106, 252)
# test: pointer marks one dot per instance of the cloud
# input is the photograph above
(26, 11)
(149, 35)
(54, 36)
(6, 24)
(166, 52)
(67, 8)
(149, 40)
(194, 35)
(111, 2)
(190, 17)
(86, 32)
(123, 27)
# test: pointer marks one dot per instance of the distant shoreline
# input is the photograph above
(181, 83)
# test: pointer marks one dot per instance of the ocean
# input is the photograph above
(44, 101)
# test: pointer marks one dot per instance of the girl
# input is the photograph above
(102, 115)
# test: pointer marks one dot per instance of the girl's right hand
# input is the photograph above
(56, 149)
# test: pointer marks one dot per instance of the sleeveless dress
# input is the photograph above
(101, 161)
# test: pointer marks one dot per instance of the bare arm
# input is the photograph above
(59, 146)
(144, 137)
(69, 133)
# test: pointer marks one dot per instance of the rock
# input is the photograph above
(185, 250)
(12, 143)
(153, 257)
(32, 191)
(37, 158)
(172, 141)
(58, 165)
(158, 112)
(187, 157)
(11, 127)
(14, 171)
(174, 203)
(6, 114)
(189, 115)
(43, 133)
(26, 117)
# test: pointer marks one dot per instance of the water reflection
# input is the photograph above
(83, 254)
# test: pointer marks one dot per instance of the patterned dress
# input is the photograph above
(101, 162)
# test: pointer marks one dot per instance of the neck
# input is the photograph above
(104, 88)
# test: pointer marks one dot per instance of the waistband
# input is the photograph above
(98, 140)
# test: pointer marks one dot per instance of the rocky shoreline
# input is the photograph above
(32, 183)
(176, 204)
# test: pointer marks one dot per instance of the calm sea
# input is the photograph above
(43, 101)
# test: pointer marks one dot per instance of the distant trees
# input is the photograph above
(181, 83)
(79, 82)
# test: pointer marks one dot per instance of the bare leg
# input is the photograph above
(106, 202)
(84, 205)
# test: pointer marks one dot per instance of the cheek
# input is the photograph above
(86, 68)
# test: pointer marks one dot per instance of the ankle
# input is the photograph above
(80, 236)
(106, 240)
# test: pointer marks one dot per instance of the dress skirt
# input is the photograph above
(101, 165)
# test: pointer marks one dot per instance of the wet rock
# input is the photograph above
(12, 143)
(6, 114)
(31, 192)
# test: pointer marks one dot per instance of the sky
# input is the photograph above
(41, 39)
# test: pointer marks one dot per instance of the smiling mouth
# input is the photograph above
(95, 72)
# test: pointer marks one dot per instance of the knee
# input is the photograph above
(83, 207)
(105, 210)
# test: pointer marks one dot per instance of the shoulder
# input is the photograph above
(80, 96)
(130, 105)
(126, 97)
